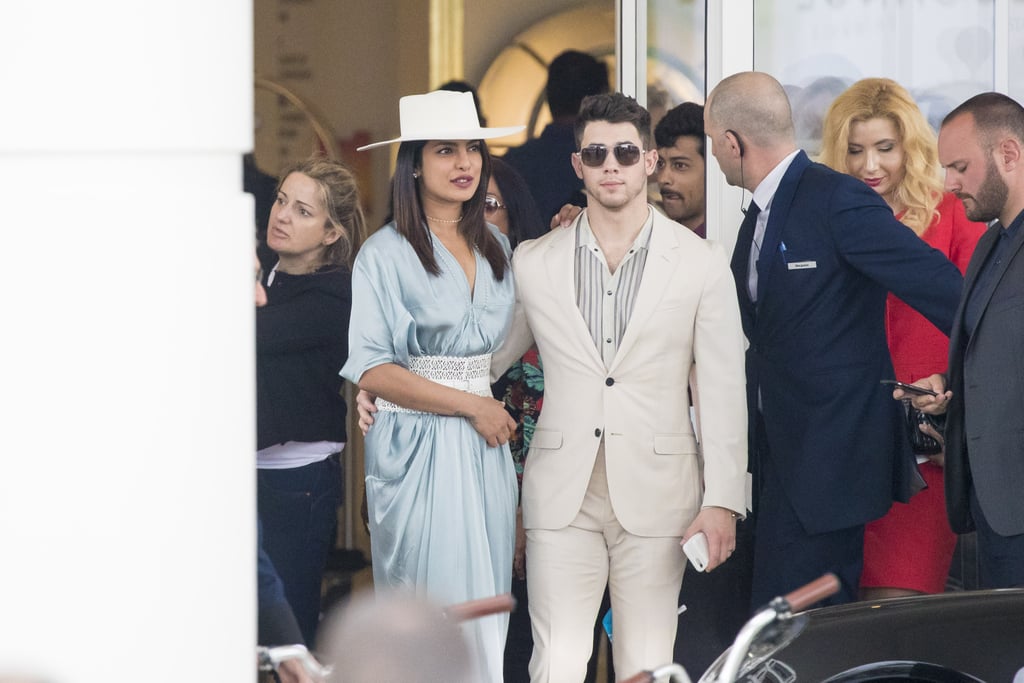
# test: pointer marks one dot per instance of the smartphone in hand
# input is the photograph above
(910, 388)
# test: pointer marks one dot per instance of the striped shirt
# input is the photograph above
(606, 299)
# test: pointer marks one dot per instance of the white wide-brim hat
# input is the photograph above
(441, 115)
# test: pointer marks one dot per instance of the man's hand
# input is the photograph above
(933, 405)
(565, 216)
(366, 406)
(719, 525)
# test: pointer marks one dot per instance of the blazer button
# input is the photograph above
(610, 381)
(597, 432)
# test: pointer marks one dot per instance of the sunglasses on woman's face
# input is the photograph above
(626, 153)
(492, 204)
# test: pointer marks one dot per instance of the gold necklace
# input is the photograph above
(444, 220)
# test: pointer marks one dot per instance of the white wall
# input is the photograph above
(126, 499)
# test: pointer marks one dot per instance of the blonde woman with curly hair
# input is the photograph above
(875, 131)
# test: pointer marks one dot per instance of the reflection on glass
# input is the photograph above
(1016, 56)
(675, 53)
(940, 50)
(512, 89)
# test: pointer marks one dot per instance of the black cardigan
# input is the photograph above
(301, 345)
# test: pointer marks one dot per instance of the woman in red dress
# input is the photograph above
(876, 132)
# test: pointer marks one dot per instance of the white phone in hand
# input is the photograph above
(697, 550)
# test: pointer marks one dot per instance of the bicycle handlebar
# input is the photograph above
(778, 609)
(816, 590)
(474, 609)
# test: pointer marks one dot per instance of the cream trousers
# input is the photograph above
(567, 571)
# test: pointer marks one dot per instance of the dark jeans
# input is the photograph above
(299, 511)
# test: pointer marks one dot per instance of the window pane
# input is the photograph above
(675, 53)
(940, 50)
(1016, 53)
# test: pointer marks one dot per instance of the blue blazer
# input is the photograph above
(832, 250)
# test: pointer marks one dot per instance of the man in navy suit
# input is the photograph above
(981, 145)
(815, 257)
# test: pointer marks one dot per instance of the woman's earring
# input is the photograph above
(415, 174)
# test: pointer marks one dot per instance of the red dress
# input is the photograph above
(912, 545)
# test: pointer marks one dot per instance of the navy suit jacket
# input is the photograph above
(986, 375)
(832, 250)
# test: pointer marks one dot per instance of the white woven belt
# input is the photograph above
(470, 373)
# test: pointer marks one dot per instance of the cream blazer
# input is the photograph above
(685, 316)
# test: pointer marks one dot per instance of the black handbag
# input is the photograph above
(921, 443)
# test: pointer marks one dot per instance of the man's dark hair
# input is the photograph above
(463, 86)
(685, 119)
(572, 76)
(993, 113)
(614, 108)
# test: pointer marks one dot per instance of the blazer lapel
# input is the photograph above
(560, 262)
(956, 336)
(777, 216)
(662, 258)
(1012, 252)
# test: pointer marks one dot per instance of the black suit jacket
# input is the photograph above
(985, 422)
(831, 251)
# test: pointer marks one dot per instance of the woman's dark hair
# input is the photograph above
(523, 216)
(406, 210)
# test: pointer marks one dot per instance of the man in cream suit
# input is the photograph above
(624, 306)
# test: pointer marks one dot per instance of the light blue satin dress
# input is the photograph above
(441, 501)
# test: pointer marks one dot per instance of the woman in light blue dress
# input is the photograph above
(432, 298)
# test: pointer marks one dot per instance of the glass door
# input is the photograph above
(943, 51)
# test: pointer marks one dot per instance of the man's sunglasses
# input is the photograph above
(626, 153)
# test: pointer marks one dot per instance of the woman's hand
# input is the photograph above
(261, 294)
(940, 457)
(491, 421)
(419, 394)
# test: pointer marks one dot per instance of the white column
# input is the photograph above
(631, 48)
(126, 352)
(730, 41)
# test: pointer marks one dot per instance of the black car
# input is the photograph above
(947, 638)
